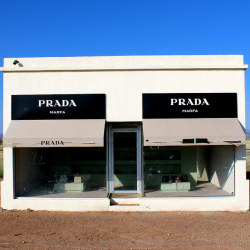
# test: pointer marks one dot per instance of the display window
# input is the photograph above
(188, 171)
(60, 172)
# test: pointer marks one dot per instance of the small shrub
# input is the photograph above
(1, 164)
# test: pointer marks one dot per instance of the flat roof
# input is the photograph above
(113, 63)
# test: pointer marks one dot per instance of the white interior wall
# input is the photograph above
(203, 158)
(188, 159)
(222, 167)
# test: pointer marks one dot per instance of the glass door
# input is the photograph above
(125, 160)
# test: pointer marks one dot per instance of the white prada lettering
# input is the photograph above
(72, 103)
(41, 102)
(181, 102)
(205, 102)
(49, 103)
(189, 102)
(56, 103)
(173, 101)
(51, 143)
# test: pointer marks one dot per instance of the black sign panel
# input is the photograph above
(45, 107)
(190, 105)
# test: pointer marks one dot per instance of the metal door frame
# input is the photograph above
(110, 147)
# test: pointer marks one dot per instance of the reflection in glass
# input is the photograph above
(125, 164)
(188, 171)
(60, 172)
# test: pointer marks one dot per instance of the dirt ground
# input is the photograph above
(103, 230)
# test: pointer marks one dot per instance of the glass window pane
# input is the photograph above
(125, 161)
(188, 171)
(60, 172)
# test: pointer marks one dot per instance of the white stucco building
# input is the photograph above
(125, 133)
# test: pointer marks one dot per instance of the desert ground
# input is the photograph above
(73, 230)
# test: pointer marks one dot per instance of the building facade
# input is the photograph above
(150, 133)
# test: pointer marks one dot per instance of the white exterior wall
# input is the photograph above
(124, 89)
(123, 80)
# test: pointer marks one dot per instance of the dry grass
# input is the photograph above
(248, 154)
(1, 159)
(1, 163)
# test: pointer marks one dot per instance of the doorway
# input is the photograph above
(124, 160)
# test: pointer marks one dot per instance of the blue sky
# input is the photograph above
(124, 27)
